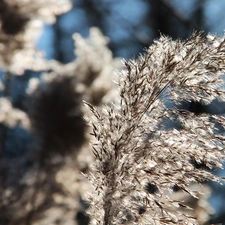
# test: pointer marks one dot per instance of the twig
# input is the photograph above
(3, 128)
(187, 22)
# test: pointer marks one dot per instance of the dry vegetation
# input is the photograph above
(141, 169)
(139, 160)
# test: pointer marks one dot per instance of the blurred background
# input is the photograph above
(128, 27)
(131, 26)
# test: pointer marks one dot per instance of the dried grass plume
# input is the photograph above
(139, 160)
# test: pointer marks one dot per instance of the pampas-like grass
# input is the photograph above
(139, 161)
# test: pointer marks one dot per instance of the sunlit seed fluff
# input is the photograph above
(138, 158)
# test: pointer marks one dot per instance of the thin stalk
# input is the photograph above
(3, 128)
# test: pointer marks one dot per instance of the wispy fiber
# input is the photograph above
(138, 160)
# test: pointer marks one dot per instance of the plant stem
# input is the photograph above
(3, 128)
